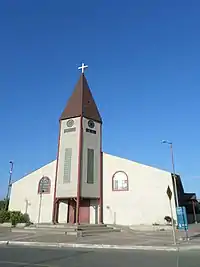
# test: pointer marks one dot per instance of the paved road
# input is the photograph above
(40, 257)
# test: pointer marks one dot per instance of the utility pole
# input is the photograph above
(9, 185)
(173, 170)
(174, 176)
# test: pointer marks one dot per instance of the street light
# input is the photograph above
(9, 184)
(173, 169)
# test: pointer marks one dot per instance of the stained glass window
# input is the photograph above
(120, 181)
(44, 185)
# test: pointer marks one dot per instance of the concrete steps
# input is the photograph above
(93, 232)
(46, 229)
(89, 230)
(54, 226)
(66, 229)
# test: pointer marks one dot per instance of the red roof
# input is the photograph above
(81, 103)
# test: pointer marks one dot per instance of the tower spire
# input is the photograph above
(81, 102)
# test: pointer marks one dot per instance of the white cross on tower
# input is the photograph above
(83, 67)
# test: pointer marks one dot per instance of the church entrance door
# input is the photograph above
(71, 211)
(84, 212)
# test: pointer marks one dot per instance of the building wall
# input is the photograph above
(191, 218)
(91, 141)
(25, 198)
(145, 202)
(68, 140)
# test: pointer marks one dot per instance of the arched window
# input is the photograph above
(44, 185)
(120, 181)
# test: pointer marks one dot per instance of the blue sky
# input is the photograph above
(144, 65)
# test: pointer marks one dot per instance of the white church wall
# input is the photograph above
(91, 141)
(68, 140)
(145, 202)
(25, 198)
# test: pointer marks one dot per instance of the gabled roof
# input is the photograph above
(81, 103)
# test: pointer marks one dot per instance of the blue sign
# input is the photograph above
(182, 218)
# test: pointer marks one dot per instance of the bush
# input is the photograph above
(4, 204)
(4, 216)
(26, 218)
(168, 219)
(14, 217)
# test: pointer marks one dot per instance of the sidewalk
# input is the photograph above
(147, 240)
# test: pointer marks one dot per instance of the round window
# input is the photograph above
(70, 123)
(91, 124)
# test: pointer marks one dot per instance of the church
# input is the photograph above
(84, 185)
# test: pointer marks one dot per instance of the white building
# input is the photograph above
(85, 185)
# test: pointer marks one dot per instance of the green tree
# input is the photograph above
(3, 204)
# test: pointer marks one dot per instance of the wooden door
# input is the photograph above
(84, 212)
(71, 211)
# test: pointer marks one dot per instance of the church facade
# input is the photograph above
(85, 185)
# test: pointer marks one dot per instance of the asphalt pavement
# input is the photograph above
(132, 238)
(43, 257)
(146, 240)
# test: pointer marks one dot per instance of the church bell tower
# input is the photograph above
(78, 181)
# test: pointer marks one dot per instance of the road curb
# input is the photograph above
(4, 242)
(100, 246)
(190, 247)
(87, 246)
